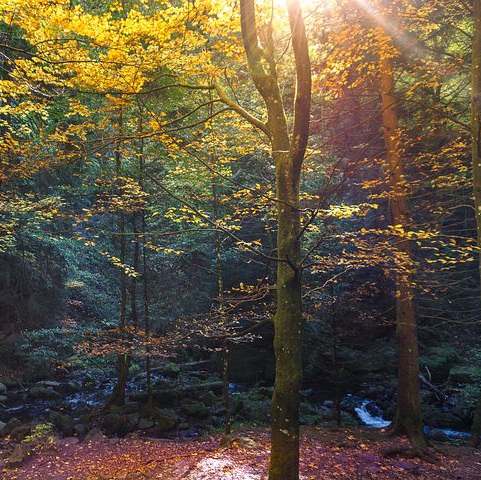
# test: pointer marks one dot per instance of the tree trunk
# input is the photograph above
(284, 461)
(408, 413)
(476, 428)
(476, 159)
(117, 397)
(133, 281)
(288, 150)
(220, 298)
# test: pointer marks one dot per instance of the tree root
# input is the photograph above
(424, 453)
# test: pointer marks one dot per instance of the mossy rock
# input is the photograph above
(461, 374)
(19, 433)
(63, 423)
(162, 385)
(171, 370)
(439, 360)
(43, 393)
(195, 409)
(165, 419)
(256, 410)
(310, 419)
(120, 425)
(10, 426)
(209, 398)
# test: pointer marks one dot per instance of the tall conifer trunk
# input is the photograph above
(476, 159)
(408, 412)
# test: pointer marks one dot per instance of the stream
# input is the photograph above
(370, 415)
(88, 395)
(91, 393)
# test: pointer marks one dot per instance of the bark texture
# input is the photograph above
(288, 150)
(476, 159)
(117, 397)
(408, 412)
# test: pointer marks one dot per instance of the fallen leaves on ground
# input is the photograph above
(325, 454)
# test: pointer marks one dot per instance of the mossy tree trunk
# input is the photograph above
(288, 150)
(408, 412)
(476, 159)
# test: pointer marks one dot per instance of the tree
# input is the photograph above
(408, 412)
(288, 148)
(476, 160)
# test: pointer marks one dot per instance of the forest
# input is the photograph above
(240, 239)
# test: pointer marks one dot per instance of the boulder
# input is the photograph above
(11, 425)
(63, 423)
(256, 410)
(19, 433)
(94, 435)
(460, 374)
(138, 396)
(43, 393)
(79, 429)
(67, 441)
(165, 419)
(145, 423)
(209, 398)
(3, 389)
(70, 387)
(118, 424)
(193, 408)
(18, 456)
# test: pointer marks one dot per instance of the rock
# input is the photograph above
(70, 387)
(67, 441)
(19, 433)
(145, 423)
(79, 429)
(438, 435)
(209, 398)
(139, 396)
(243, 441)
(256, 410)
(133, 418)
(117, 424)
(3, 389)
(63, 423)
(171, 370)
(166, 395)
(407, 466)
(195, 409)
(190, 433)
(48, 383)
(44, 393)
(94, 435)
(18, 456)
(11, 425)
(459, 374)
(3, 398)
(166, 419)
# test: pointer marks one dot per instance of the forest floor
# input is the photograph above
(345, 453)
